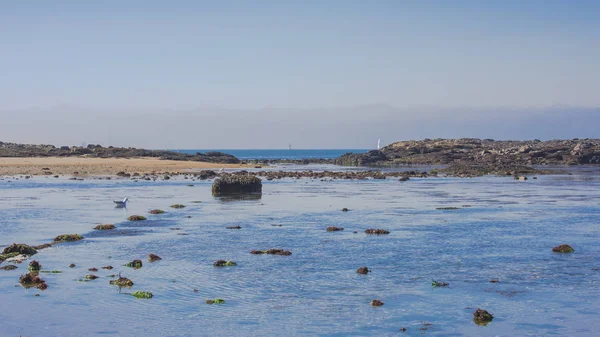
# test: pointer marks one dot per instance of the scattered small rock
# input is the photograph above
(563, 249)
(224, 263)
(438, 284)
(122, 282)
(376, 303)
(107, 267)
(136, 264)
(68, 238)
(34, 266)
(9, 267)
(91, 277)
(215, 301)
(345, 209)
(32, 280)
(72, 265)
(136, 218)
(19, 248)
(157, 211)
(153, 257)
(482, 317)
(177, 206)
(363, 270)
(233, 227)
(334, 229)
(93, 270)
(494, 280)
(141, 294)
(377, 231)
(447, 208)
(105, 227)
(272, 251)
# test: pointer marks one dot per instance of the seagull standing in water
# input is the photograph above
(121, 204)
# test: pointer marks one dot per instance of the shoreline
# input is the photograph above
(100, 166)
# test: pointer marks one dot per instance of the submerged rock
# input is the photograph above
(447, 208)
(334, 229)
(43, 246)
(9, 267)
(224, 263)
(482, 317)
(91, 277)
(122, 282)
(236, 184)
(177, 206)
(136, 218)
(377, 231)
(272, 251)
(215, 301)
(32, 280)
(107, 267)
(34, 266)
(234, 227)
(19, 248)
(72, 265)
(376, 303)
(363, 270)
(345, 209)
(157, 211)
(136, 264)
(437, 284)
(68, 238)
(105, 227)
(93, 269)
(563, 249)
(153, 257)
(141, 294)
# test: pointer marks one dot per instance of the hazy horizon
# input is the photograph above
(332, 74)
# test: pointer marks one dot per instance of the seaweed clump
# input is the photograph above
(154, 257)
(141, 294)
(272, 251)
(177, 206)
(334, 229)
(377, 231)
(122, 282)
(482, 317)
(136, 218)
(363, 270)
(34, 266)
(68, 238)
(215, 301)
(224, 263)
(105, 227)
(32, 280)
(136, 264)
(156, 211)
(563, 249)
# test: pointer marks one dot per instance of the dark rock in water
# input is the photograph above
(153, 257)
(93, 270)
(236, 184)
(404, 179)
(20, 248)
(34, 266)
(215, 301)
(233, 227)
(363, 270)
(224, 263)
(177, 206)
(334, 229)
(32, 280)
(68, 238)
(376, 303)
(9, 267)
(206, 174)
(156, 211)
(122, 282)
(272, 251)
(134, 264)
(91, 277)
(447, 208)
(105, 227)
(345, 209)
(72, 265)
(482, 317)
(136, 218)
(377, 231)
(107, 267)
(563, 249)
(43, 246)
(438, 284)
(494, 280)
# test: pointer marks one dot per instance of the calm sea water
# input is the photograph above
(504, 230)
(283, 153)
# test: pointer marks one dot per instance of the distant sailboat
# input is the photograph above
(290, 146)
(378, 143)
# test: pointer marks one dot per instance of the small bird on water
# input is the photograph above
(121, 204)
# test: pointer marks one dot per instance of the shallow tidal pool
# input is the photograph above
(502, 230)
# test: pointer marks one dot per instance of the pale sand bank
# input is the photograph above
(101, 166)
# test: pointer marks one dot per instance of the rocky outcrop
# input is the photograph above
(486, 152)
(98, 151)
(231, 184)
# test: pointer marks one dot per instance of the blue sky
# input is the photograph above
(143, 56)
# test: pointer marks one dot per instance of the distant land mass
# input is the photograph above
(482, 155)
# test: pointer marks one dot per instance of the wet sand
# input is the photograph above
(100, 166)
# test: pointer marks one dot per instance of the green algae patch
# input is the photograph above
(136, 218)
(156, 211)
(34, 266)
(563, 249)
(51, 271)
(19, 249)
(141, 294)
(177, 206)
(136, 264)
(224, 263)
(8, 256)
(105, 227)
(68, 238)
(9, 267)
(215, 301)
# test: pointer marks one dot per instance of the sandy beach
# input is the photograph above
(100, 166)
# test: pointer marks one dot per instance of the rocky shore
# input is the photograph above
(98, 151)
